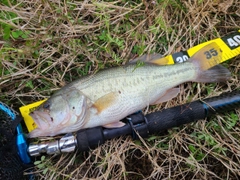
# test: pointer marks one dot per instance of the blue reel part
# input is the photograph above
(20, 139)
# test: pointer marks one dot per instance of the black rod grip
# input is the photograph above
(90, 138)
(224, 102)
(175, 116)
(197, 110)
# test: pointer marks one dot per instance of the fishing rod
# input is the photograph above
(138, 124)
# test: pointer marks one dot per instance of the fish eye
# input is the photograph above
(46, 105)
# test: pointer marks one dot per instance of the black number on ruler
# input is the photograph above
(180, 57)
(212, 52)
(232, 40)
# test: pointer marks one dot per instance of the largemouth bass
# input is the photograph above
(108, 96)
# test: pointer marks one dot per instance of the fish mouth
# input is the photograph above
(43, 124)
(42, 119)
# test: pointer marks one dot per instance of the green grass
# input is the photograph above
(46, 44)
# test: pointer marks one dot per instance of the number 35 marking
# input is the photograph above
(212, 52)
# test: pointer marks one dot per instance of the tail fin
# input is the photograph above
(206, 60)
(217, 73)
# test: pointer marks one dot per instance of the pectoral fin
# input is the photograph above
(169, 94)
(105, 101)
(115, 125)
(151, 58)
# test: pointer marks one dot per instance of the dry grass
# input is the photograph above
(45, 44)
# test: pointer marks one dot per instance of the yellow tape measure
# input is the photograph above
(26, 110)
(230, 46)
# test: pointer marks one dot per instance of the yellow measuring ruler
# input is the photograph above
(26, 110)
(230, 46)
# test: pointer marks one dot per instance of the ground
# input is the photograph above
(47, 44)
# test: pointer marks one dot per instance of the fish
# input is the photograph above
(110, 95)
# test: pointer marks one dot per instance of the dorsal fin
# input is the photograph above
(156, 58)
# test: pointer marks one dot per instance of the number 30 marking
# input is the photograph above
(212, 52)
(181, 59)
